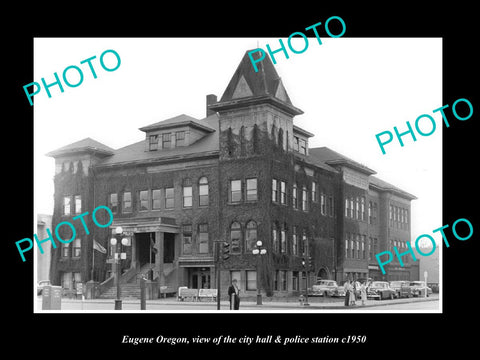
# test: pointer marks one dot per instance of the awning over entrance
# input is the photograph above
(146, 224)
(196, 261)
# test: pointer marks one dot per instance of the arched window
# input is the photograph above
(280, 138)
(235, 238)
(203, 191)
(250, 235)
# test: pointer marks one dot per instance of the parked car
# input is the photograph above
(41, 284)
(402, 288)
(380, 290)
(434, 287)
(419, 288)
(325, 288)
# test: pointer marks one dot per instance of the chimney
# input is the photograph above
(211, 99)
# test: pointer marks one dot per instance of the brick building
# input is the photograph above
(243, 173)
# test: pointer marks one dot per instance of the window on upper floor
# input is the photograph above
(283, 192)
(235, 191)
(295, 196)
(169, 198)
(66, 205)
(166, 140)
(180, 138)
(113, 203)
(235, 238)
(187, 239)
(156, 202)
(143, 200)
(274, 190)
(251, 192)
(127, 202)
(153, 142)
(78, 204)
(187, 193)
(203, 238)
(304, 199)
(203, 191)
(77, 248)
(250, 236)
(314, 191)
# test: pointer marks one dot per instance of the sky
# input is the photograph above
(350, 89)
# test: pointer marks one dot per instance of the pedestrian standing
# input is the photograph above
(363, 293)
(234, 295)
(346, 286)
(353, 293)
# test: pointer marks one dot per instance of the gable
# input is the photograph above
(242, 89)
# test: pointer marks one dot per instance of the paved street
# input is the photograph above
(321, 304)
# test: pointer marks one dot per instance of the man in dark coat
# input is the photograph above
(234, 295)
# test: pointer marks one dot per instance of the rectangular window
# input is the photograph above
(153, 142)
(357, 206)
(347, 208)
(156, 199)
(169, 198)
(66, 205)
(346, 246)
(67, 280)
(283, 240)
(78, 204)
(358, 246)
(251, 280)
(283, 193)
(65, 250)
(294, 241)
(187, 239)
(187, 196)
(166, 141)
(370, 249)
(113, 203)
(276, 282)
(77, 248)
(282, 280)
(295, 196)
(362, 208)
(303, 146)
(304, 199)
(314, 191)
(370, 212)
(180, 138)
(323, 204)
(352, 208)
(274, 190)
(352, 246)
(330, 206)
(203, 194)
(143, 199)
(304, 244)
(251, 189)
(203, 238)
(235, 191)
(364, 239)
(127, 202)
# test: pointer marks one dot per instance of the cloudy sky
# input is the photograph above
(350, 89)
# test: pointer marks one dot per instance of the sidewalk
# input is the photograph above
(315, 303)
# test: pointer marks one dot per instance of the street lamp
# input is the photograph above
(117, 241)
(259, 250)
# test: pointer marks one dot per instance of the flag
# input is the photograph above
(99, 247)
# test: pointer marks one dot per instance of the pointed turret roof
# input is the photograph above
(247, 86)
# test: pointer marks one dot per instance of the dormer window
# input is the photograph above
(180, 138)
(166, 140)
(153, 142)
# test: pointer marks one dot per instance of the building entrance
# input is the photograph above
(199, 278)
(145, 248)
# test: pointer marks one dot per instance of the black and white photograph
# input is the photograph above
(276, 182)
(227, 181)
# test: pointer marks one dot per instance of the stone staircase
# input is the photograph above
(128, 290)
(130, 282)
